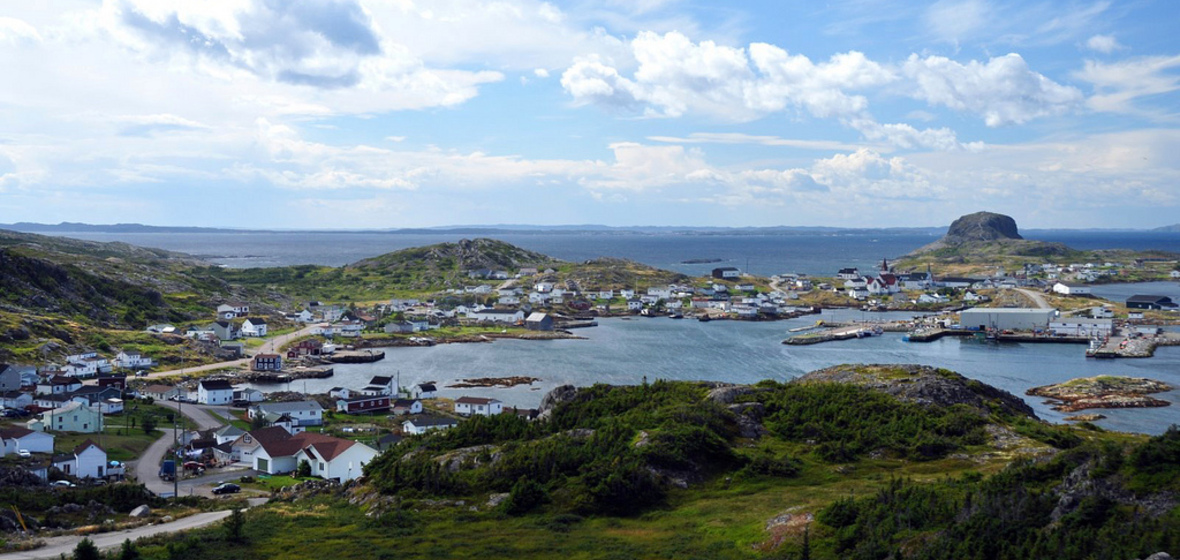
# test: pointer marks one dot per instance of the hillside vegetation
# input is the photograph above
(58, 293)
(853, 462)
(425, 270)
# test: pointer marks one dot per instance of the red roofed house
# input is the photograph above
(274, 450)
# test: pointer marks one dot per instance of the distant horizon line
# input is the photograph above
(82, 227)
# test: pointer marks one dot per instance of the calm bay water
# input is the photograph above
(626, 351)
(621, 351)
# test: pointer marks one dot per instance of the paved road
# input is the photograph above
(271, 346)
(55, 547)
(1038, 299)
(149, 475)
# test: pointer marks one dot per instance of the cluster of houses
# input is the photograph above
(60, 402)
(382, 396)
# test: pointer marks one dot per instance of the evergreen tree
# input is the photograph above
(86, 551)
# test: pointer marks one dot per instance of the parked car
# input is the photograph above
(62, 484)
(23, 453)
(227, 488)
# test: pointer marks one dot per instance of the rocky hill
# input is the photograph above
(923, 385)
(982, 226)
(445, 259)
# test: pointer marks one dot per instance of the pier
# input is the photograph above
(356, 356)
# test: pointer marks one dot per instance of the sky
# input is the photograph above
(415, 113)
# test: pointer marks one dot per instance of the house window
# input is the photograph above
(321, 467)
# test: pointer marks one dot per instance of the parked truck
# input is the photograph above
(168, 470)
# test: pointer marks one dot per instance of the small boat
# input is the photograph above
(677, 315)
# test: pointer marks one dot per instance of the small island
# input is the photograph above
(1103, 391)
(700, 261)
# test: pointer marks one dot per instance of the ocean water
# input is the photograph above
(763, 254)
(625, 351)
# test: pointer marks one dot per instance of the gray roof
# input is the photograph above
(288, 407)
(432, 421)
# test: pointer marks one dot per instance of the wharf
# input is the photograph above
(1133, 347)
(288, 375)
(838, 333)
(578, 324)
(356, 356)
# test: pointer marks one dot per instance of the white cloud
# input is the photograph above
(764, 140)
(955, 20)
(1119, 84)
(905, 136)
(17, 32)
(541, 73)
(1003, 91)
(676, 76)
(1104, 44)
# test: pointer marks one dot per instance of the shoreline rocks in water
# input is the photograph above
(1103, 391)
(1085, 417)
(494, 382)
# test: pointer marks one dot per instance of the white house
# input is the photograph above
(15, 399)
(110, 406)
(132, 360)
(340, 459)
(634, 305)
(507, 316)
(1072, 289)
(306, 413)
(468, 406)
(90, 460)
(215, 391)
(73, 417)
(274, 450)
(16, 438)
(424, 391)
(420, 426)
(237, 308)
(401, 407)
(254, 326)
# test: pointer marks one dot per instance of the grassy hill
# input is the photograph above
(58, 294)
(850, 462)
(424, 270)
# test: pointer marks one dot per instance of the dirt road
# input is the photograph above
(1037, 299)
(270, 347)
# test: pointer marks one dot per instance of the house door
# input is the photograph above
(99, 472)
(263, 465)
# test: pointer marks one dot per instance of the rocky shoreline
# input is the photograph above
(511, 381)
(1104, 391)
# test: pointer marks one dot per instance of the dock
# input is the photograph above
(838, 333)
(1132, 347)
(356, 356)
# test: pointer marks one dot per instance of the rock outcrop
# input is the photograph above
(982, 226)
(922, 385)
(1103, 391)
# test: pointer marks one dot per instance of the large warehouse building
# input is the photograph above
(1011, 319)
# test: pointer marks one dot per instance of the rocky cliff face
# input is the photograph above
(982, 226)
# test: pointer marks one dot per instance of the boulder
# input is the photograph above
(141, 511)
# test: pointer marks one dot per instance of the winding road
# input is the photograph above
(63, 547)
